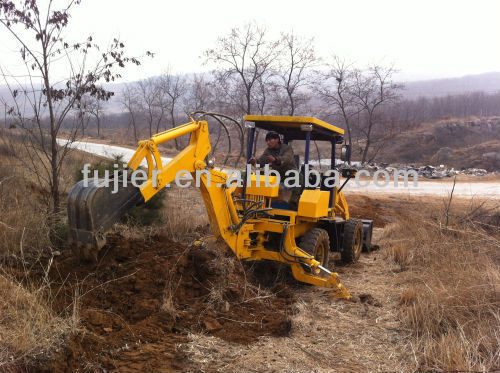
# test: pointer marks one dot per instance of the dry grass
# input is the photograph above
(224, 266)
(184, 216)
(23, 224)
(326, 336)
(30, 332)
(452, 304)
(168, 303)
(24, 228)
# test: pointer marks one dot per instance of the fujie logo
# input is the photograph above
(121, 176)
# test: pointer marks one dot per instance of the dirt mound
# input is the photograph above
(140, 301)
(364, 207)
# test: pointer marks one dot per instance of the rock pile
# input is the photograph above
(482, 124)
(428, 172)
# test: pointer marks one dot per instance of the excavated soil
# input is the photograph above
(140, 302)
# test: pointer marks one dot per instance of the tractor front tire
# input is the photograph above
(316, 243)
(352, 244)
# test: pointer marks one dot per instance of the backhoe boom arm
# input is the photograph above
(160, 175)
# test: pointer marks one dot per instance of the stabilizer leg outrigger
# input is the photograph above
(324, 278)
(315, 274)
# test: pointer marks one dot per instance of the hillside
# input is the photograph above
(487, 82)
(455, 143)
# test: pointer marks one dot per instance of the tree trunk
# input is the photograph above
(292, 104)
(347, 125)
(368, 141)
(55, 178)
(256, 141)
(365, 151)
(54, 189)
(150, 126)
(134, 127)
(319, 155)
(172, 122)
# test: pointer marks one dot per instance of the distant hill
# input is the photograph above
(487, 82)
(457, 143)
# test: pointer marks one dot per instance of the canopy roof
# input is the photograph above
(290, 127)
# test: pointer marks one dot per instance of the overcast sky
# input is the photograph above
(425, 39)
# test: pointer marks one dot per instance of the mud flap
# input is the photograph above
(93, 208)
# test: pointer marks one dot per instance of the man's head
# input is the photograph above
(273, 140)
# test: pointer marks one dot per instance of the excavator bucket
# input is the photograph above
(93, 208)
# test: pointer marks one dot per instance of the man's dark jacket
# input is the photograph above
(284, 159)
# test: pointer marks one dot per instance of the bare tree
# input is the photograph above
(151, 102)
(373, 90)
(82, 115)
(335, 88)
(130, 102)
(96, 109)
(297, 58)
(242, 58)
(90, 107)
(262, 97)
(172, 88)
(262, 93)
(199, 94)
(278, 99)
(50, 96)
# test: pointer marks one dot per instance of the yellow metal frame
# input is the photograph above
(287, 122)
(223, 211)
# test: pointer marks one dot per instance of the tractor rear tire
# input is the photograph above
(352, 244)
(317, 243)
(367, 239)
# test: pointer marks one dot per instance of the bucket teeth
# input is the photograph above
(93, 208)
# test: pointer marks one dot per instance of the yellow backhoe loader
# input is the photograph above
(251, 218)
